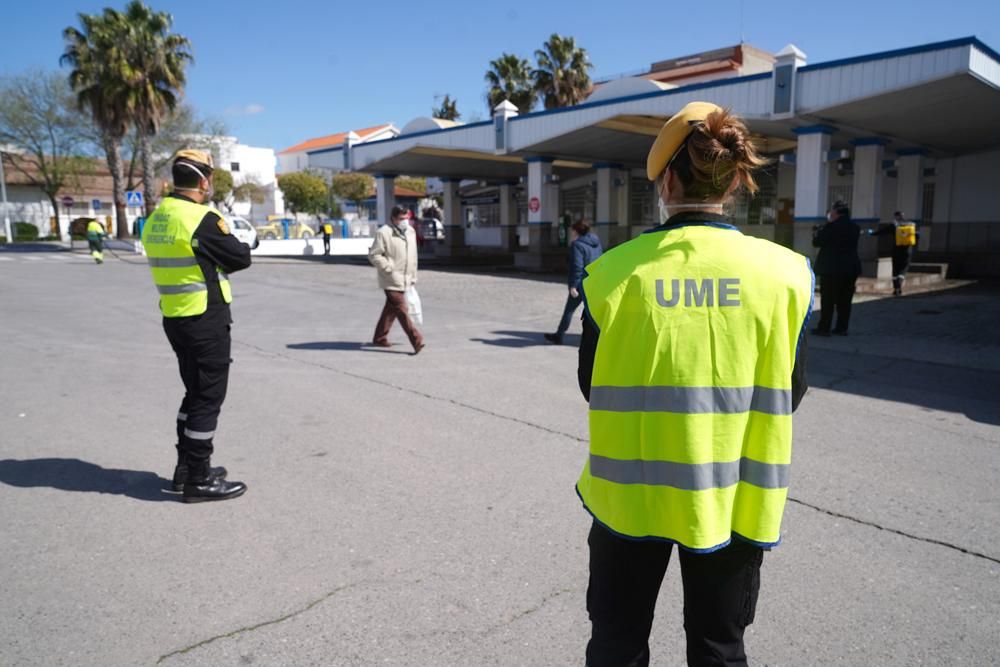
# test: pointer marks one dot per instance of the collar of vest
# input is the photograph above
(693, 218)
(182, 197)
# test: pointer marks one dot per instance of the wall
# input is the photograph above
(28, 204)
(975, 196)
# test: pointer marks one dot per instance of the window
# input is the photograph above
(234, 167)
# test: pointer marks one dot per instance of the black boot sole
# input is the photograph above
(208, 499)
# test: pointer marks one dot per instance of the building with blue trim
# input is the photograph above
(912, 129)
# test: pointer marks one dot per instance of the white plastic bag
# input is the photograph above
(413, 304)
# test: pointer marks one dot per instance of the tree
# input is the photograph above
(353, 187)
(448, 109)
(222, 186)
(304, 192)
(154, 80)
(561, 74)
(39, 121)
(415, 183)
(252, 191)
(180, 129)
(510, 79)
(97, 78)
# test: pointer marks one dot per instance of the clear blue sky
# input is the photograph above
(281, 72)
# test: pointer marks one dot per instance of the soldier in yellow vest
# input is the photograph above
(191, 252)
(95, 239)
(905, 237)
(692, 359)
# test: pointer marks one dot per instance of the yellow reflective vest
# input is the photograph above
(690, 404)
(906, 234)
(166, 237)
(95, 230)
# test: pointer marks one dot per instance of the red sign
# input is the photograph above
(67, 201)
(534, 205)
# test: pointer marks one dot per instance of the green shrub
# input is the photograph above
(25, 231)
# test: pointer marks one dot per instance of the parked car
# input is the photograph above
(244, 231)
(275, 229)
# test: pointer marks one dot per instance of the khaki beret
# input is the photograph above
(203, 158)
(673, 134)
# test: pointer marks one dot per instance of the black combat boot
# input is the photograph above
(202, 487)
(181, 472)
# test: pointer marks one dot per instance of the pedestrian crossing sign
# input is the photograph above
(133, 198)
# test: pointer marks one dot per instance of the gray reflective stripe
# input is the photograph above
(171, 262)
(182, 416)
(692, 400)
(223, 276)
(690, 476)
(198, 435)
(181, 289)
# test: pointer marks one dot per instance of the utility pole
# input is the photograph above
(3, 199)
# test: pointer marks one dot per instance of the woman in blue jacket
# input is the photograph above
(584, 250)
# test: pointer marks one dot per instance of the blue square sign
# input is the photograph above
(133, 198)
(95, 204)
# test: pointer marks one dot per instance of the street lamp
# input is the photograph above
(3, 199)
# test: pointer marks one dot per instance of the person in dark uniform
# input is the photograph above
(838, 266)
(191, 252)
(326, 229)
(905, 237)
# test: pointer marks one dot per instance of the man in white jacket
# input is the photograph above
(394, 254)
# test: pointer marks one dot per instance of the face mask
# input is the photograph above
(829, 217)
(664, 211)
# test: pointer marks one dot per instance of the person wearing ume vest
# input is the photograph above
(692, 359)
(191, 251)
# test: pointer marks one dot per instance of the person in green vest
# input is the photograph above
(191, 253)
(95, 240)
(692, 359)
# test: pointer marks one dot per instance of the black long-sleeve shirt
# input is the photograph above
(588, 350)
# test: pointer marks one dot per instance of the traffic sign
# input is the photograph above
(133, 198)
(534, 204)
(95, 204)
(67, 201)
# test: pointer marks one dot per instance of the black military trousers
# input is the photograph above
(836, 293)
(202, 345)
(720, 597)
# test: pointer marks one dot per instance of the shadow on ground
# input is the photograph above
(934, 350)
(346, 346)
(77, 475)
(525, 339)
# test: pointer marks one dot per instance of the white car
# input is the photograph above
(244, 231)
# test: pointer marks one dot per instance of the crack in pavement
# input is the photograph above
(539, 427)
(872, 524)
(415, 392)
(256, 626)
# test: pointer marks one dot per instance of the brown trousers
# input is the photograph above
(396, 309)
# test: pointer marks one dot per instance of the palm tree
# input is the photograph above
(97, 60)
(561, 76)
(155, 79)
(510, 79)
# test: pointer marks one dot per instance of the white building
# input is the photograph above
(254, 164)
(912, 129)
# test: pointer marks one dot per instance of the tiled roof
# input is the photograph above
(93, 181)
(332, 139)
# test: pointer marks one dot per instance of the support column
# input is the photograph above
(910, 183)
(385, 197)
(812, 177)
(609, 184)
(508, 218)
(866, 201)
(543, 195)
(454, 225)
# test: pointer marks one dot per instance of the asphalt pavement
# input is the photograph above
(420, 510)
